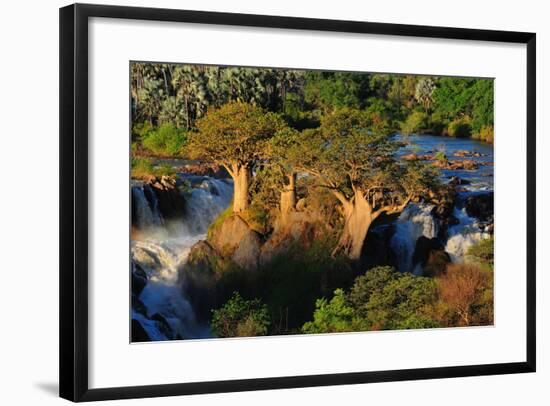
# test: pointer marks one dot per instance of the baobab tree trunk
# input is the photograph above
(241, 182)
(288, 197)
(359, 215)
(358, 218)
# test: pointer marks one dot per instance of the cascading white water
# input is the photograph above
(146, 216)
(415, 221)
(205, 202)
(462, 236)
(162, 251)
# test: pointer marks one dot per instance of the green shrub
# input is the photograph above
(487, 134)
(415, 122)
(166, 140)
(440, 156)
(404, 302)
(141, 130)
(438, 123)
(335, 316)
(459, 128)
(483, 251)
(143, 168)
(240, 318)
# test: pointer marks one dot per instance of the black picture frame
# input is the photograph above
(73, 180)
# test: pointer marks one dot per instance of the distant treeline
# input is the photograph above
(175, 96)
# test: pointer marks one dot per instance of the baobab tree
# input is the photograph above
(234, 136)
(352, 156)
(281, 162)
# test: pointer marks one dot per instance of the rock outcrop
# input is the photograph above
(431, 255)
(170, 202)
(247, 253)
(198, 278)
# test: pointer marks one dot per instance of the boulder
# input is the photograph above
(247, 253)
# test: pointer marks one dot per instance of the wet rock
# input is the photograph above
(455, 165)
(163, 325)
(417, 157)
(138, 332)
(480, 206)
(171, 203)
(198, 278)
(455, 180)
(138, 306)
(465, 153)
(139, 278)
(430, 253)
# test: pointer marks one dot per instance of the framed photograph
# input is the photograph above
(258, 202)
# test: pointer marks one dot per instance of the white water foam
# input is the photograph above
(462, 236)
(162, 251)
(415, 221)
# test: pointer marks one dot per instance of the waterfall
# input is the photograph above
(205, 202)
(462, 236)
(161, 251)
(147, 215)
(415, 221)
(162, 294)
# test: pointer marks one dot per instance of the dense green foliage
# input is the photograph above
(380, 299)
(166, 140)
(383, 298)
(181, 94)
(240, 318)
(234, 134)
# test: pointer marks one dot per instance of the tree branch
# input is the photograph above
(227, 167)
(392, 208)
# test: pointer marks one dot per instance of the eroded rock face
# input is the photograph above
(299, 228)
(198, 278)
(227, 237)
(247, 253)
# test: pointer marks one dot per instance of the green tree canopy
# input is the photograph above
(235, 135)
